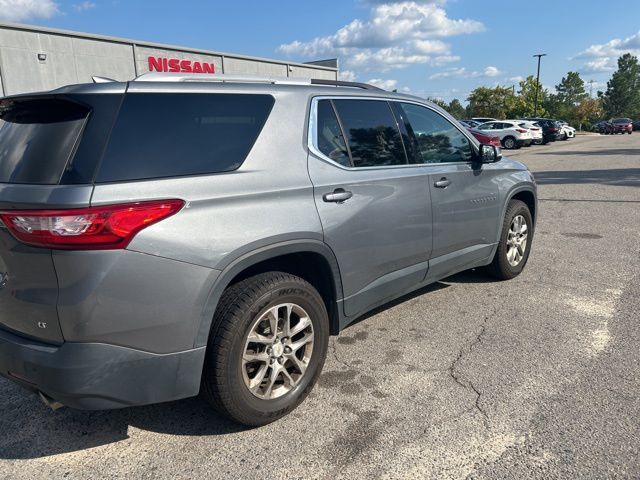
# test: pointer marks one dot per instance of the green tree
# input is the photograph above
(524, 105)
(553, 107)
(622, 97)
(456, 109)
(588, 112)
(571, 90)
(564, 104)
(439, 102)
(490, 102)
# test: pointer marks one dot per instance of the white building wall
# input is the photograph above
(70, 57)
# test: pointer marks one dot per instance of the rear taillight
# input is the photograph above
(553, 130)
(94, 228)
(520, 130)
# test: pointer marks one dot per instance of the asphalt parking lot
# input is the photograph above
(537, 377)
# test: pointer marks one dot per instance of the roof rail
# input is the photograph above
(102, 79)
(343, 83)
(220, 78)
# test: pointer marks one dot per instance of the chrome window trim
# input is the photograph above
(313, 133)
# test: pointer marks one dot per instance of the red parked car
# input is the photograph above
(484, 138)
(620, 125)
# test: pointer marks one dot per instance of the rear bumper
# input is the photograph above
(552, 137)
(96, 376)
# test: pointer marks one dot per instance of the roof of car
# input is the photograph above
(178, 82)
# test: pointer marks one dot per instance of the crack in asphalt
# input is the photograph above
(465, 383)
(334, 350)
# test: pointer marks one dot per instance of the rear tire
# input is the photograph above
(258, 382)
(507, 262)
(509, 143)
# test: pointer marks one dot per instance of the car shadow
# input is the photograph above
(31, 430)
(620, 177)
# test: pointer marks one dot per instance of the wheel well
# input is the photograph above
(310, 266)
(528, 198)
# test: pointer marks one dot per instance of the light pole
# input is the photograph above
(535, 107)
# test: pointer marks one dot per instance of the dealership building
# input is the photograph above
(36, 59)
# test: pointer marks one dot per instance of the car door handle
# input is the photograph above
(444, 182)
(339, 195)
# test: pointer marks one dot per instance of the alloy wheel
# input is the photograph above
(517, 240)
(277, 351)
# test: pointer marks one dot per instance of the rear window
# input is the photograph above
(372, 132)
(37, 138)
(170, 135)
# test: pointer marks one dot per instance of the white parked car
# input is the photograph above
(511, 134)
(533, 127)
(567, 131)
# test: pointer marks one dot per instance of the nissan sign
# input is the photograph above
(162, 64)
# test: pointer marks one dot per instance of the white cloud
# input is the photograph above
(613, 48)
(516, 79)
(384, 84)
(84, 6)
(395, 35)
(491, 72)
(347, 75)
(603, 57)
(21, 10)
(462, 72)
(600, 65)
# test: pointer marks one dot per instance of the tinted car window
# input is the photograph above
(37, 138)
(621, 120)
(372, 131)
(485, 126)
(167, 135)
(330, 140)
(436, 138)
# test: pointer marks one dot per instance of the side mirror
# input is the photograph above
(490, 154)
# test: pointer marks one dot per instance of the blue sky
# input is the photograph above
(433, 48)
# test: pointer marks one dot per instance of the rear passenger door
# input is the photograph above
(464, 193)
(374, 206)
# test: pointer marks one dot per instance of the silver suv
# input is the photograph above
(177, 235)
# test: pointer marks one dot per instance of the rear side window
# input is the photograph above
(330, 140)
(170, 135)
(372, 132)
(437, 140)
(37, 138)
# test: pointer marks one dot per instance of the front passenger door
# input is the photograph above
(464, 193)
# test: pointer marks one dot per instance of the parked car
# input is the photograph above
(636, 124)
(482, 120)
(179, 237)
(551, 129)
(601, 127)
(620, 125)
(469, 123)
(511, 134)
(535, 129)
(567, 131)
(484, 138)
